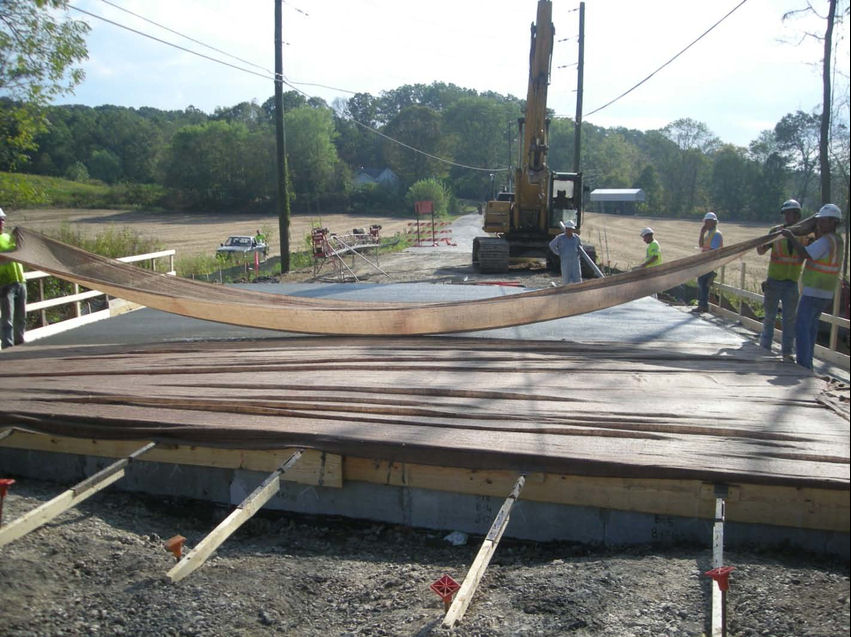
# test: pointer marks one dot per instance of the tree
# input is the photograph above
(220, 165)
(38, 54)
(832, 18)
(732, 174)
(797, 137)
(688, 171)
(475, 127)
(310, 149)
(419, 129)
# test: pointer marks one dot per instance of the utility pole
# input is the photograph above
(283, 203)
(580, 67)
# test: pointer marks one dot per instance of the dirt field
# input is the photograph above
(615, 237)
(199, 233)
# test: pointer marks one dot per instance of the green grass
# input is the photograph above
(19, 190)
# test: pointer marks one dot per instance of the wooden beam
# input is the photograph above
(480, 564)
(73, 496)
(246, 509)
(316, 468)
(804, 507)
(6, 433)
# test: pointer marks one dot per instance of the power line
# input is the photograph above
(183, 35)
(700, 37)
(271, 76)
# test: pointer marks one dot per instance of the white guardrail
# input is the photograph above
(78, 298)
(836, 322)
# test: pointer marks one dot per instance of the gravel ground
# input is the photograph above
(100, 570)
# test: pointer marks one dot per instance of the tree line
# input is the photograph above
(460, 137)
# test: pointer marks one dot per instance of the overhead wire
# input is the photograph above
(269, 76)
(698, 39)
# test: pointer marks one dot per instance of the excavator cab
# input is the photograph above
(565, 200)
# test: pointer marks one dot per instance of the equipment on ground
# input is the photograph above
(523, 222)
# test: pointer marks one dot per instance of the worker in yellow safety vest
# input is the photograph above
(780, 287)
(822, 263)
(710, 239)
(13, 293)
(654, 250)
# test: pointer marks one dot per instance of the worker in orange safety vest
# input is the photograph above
(822, 264)
(780, 287)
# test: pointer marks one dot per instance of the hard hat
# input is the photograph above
(2, 214)
(710, 216)
(830, 210)
(645, 231)
(567, 224)
(790, 204)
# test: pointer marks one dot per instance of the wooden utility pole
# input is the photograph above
(580, 69)
(283, 203)
(824, 136)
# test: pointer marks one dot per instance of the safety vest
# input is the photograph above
(10, 271)
(653, 250)
(786, 263)
(822, 274)
(706, 246)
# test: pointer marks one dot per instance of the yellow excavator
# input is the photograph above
(523, 222)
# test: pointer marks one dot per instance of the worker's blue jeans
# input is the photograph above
(806, 328)
(13, 314)
(784, 293)
(703, 283)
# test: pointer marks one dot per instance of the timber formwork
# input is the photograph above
(620, 444)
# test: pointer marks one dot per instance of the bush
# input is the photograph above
(432, 190)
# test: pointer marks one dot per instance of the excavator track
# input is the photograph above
(490, 254)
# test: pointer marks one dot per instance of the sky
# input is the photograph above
(739, 79)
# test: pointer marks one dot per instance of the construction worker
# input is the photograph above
(566, 246)
(259, 237)
(654, 251)
(13, 293)
(781, 284)
(710, 239)
(822, 263)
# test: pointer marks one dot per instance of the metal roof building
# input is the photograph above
(622, 201)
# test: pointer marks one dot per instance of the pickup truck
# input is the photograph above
(237, 244)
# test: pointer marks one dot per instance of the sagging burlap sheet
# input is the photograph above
(325, 316)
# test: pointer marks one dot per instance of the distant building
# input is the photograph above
(620, 201)
(381, 176)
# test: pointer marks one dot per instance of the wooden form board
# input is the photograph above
(603, 425)
(823, 509)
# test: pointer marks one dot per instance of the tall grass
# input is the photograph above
(18, 190)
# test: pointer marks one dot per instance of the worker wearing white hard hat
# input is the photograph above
(822, 266)
(710, 239)
(13, 292)
(780, 288)
(567, 246)
(653, 256)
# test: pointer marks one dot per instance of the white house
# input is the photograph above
(381, 176)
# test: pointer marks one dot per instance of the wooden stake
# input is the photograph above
(477, 569)
(73, 496)
(246, 509)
